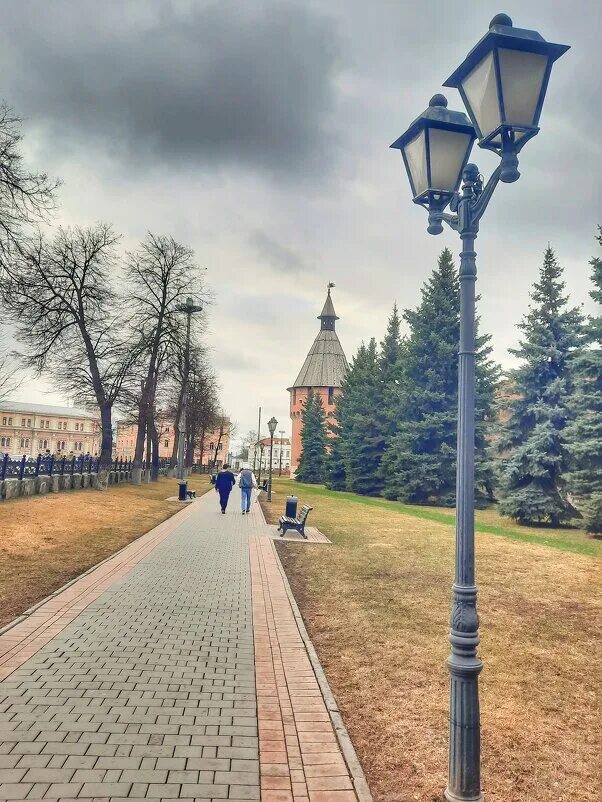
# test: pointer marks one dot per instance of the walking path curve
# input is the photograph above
(179, 668)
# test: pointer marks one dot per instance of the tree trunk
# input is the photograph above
(106, 445)
(139, 451)
(154, 439)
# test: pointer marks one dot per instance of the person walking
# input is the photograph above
(246, 482)
(224, 483)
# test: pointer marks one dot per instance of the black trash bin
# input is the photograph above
(291, 506)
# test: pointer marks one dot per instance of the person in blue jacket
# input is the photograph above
(224, 483)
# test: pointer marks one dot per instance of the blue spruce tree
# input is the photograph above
(533, 486)
(312, 460)
(584, 434)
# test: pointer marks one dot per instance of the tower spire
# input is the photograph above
(328, 316)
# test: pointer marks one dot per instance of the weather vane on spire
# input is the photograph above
(330, 286)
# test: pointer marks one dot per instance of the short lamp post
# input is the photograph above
(502, 82)
(272, 423)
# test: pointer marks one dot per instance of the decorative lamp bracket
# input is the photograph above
(468, 206)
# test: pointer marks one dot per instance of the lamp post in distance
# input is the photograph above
(281, 449)
(503, 82)
(272, 423)
(189, 309)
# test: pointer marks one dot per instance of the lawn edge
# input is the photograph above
(345, 743)
(26, 613)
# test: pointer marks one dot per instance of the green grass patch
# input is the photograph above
(575, 540)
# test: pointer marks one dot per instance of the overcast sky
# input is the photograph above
(257, 132)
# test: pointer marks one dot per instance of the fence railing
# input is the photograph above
(42, 465)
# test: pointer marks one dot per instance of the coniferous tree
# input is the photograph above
(335, 461)
(352, 391)
(312, 460)
(389, 367)
(361, 433)
(534, 478)
(420, 462)
(584, 434)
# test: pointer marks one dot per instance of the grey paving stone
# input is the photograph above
(149, 692)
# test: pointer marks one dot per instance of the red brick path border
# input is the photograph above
(300, 757)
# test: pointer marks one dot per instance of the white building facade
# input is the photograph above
(258, 455)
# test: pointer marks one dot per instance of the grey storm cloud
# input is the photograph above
(279, 256)
(220, 83)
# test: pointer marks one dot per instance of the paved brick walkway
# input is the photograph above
(142, 680)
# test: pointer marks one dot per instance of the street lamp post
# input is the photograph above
(189, 309)
(280, 462)
(503, 82)
(272, 423)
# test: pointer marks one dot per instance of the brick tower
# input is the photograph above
(323, 372)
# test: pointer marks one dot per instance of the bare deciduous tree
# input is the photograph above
(60, 298)
(26, 197)
(160, 275)
(8, 377)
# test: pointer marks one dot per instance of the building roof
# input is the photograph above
(326, 364)
(46, 409)
(328, 310)
(277, 441)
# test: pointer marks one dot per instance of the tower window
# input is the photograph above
(331, 395)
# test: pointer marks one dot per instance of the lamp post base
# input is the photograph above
(451, 797)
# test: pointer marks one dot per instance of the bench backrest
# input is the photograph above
(304, 512)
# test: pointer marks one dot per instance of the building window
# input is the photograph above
(23, 422)
(4, 423)
(60, 424)
(219, 446)
(10, 421)
(77, 427)
(29, 423)
(211, 446)
(46, 424)
(5, 441)
(25, 442)
(45, 444)
(167, 444)
(40, 446)
(331, 395)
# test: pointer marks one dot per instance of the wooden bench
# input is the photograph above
(295, 523)
(191, 494)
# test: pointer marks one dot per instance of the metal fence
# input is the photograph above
(22, 467)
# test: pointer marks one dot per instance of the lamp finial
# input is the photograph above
(501, 19)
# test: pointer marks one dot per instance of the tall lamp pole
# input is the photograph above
(272, 423)
(261, 447)
(189, 309)
(280, 463)
(258, 439)
(502, 82)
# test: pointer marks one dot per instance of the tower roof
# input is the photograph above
(328, 311)
(326, 364)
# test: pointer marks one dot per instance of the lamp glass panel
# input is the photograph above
(447, 154)
(415, 152)
(521, 75)
(480, 87)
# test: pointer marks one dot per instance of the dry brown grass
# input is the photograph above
(47, 540)
(376, 604)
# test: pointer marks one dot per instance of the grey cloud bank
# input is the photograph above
(215, 83)
(258, 132)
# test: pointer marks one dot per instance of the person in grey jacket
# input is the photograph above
(246, 482)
